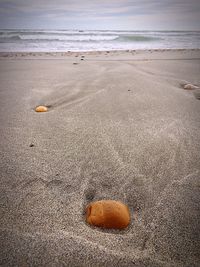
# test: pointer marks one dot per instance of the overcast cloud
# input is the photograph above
(93, 14)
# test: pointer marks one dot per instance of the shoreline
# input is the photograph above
(109, 53)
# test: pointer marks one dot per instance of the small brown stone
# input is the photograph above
(108, 214)
(41, 109)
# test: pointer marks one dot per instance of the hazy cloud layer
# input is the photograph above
(104, 14)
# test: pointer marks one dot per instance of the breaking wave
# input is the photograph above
(79, 40)
(75, 38)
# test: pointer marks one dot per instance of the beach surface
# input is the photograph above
(120, 126)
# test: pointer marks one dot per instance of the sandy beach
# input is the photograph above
(120, 126)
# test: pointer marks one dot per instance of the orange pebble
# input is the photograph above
(108, 214)
(41, 109)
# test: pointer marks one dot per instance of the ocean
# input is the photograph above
(77, 40)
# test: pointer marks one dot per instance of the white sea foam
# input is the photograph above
(76, 40)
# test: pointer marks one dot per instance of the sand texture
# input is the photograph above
(119, 126)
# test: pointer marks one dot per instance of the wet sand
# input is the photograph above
(120, 126)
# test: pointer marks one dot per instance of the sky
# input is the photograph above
(100, 14)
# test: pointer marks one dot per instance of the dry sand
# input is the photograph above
(120, 126)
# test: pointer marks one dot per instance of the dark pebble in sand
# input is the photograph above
(197, 94)
(129, 90)
(82, 59)
(75, 63)
(31, 145)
